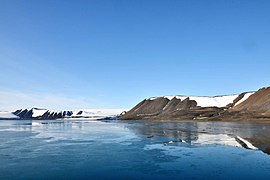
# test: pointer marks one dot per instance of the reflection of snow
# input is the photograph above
(36, 123)
(221, 139)
(84, 131)
(248, 144)
(212, 139)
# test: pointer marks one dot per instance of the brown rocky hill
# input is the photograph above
(258, 103)
(244, 106)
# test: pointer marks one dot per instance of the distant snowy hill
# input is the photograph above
(37, 113)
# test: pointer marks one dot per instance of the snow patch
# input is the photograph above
(246, 96)
(7, 115)
(207, 101)
(217, 101)
(169, 97)
(38, 112)
(98, 112)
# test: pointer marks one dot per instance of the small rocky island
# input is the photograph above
(237, 107)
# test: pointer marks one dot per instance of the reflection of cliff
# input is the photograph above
(179, 132)
(246, 135)
(262, 142)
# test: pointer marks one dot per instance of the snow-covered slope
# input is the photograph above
(37, 113)
(258, 102)
(97, 112)
(246, 96)
(208, 101)
(7, 115)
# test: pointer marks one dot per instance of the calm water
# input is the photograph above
(132, 149)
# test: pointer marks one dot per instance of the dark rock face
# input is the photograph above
(24, 114)
(256, 107)
(162, 109)
(67, 113)
(147, 108)
(80, 113)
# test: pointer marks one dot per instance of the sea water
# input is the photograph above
(87, 149)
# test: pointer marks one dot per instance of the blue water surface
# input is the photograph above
(87, 149)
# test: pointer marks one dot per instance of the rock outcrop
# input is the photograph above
(258, 102)
(244, 106)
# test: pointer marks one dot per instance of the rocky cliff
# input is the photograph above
(244, 106)
(258, 102)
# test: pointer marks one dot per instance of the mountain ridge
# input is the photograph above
(40, 113)
(221, 107)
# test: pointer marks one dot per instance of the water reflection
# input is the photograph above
(240, 134)
(131, 150)
(249, 135)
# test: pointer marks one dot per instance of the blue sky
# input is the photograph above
(113, 54)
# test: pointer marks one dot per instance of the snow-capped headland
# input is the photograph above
(243, 106)
(38, 113)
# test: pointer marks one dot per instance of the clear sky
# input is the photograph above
(112, 54)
